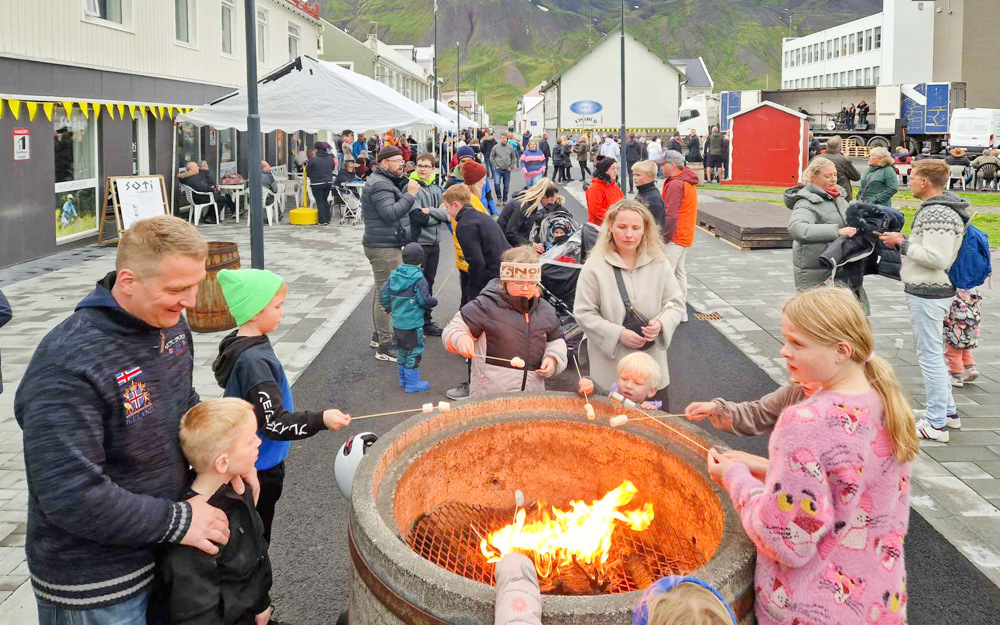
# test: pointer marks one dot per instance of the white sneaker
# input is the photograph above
(952, 421)
(929, 432)
(971, 374)
(956, 380)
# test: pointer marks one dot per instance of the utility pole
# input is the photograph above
(622, 173)
(458, 89)
(253, 141)
(436, 94)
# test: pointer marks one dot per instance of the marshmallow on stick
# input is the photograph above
(444, 406)
(618, 420)
(591, 415)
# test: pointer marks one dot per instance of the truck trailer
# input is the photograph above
(913, 115)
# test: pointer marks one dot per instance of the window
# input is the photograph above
(822, 50)
(263, 33)
(861, 41)
(75, 176)
(227, 151)
(188, 144)
(809, 54)
(294, 38)
(843, 79)
(878, 37)
(108, 10)
(868, 40)
(689, 114)
(843, 46)
(798, 56)
(829, 49)
(228, 12)
(876, 75)
(184, 21)
(868, 75)
(852, 45)
(817, 55)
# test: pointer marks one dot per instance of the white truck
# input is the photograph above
(913, 114)
(974, 129)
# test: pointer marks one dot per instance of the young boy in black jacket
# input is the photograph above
(219, 439)
(480, 237)
(248, 368)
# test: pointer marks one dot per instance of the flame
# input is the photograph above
(559, 538)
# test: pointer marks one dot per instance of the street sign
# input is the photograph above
(21, 144)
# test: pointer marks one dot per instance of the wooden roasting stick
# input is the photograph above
(443, 406)
(516, 362)
(620, 420)
(591, 415)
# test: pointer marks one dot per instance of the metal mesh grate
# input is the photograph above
(445, 537)
(708, 316)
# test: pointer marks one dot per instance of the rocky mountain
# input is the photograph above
(509, 46)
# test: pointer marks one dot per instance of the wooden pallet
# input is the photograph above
(747, 225)
(851, 149)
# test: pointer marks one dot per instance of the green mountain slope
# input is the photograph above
(509, 46)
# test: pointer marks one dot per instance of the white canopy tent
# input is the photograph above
(448, 113)
(311, 95)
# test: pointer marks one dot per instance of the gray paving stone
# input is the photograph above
(961, 454)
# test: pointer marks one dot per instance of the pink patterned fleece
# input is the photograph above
(829, 522)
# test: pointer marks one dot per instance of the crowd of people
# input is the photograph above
(147, 504)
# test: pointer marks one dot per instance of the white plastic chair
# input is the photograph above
(194, 215)
(904, 173)
(957, 173)
(270, 204)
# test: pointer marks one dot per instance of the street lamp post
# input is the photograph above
(458, 90)
(622, 173)
(253, 139)
(437, 95)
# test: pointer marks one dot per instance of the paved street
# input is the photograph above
(955, 486)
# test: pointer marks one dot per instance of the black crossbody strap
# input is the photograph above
(621, 288)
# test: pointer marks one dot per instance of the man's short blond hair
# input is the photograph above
(146, 243)
(645, 167)
(209, 429)
(933, 170)
(458, 193)
(642, 364)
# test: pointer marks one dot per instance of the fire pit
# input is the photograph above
(433, 504)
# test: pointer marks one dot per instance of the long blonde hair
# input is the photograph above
(687, 604)
(532, 198)
(831, 315)
(650, 244)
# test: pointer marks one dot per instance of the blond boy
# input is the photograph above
(639, 380)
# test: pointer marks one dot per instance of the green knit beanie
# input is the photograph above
(248, 291)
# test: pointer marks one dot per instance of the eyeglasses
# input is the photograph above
(424, 166)
(396, 159)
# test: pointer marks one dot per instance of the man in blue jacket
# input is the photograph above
(100, 405)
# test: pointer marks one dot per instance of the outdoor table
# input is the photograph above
(235, 191)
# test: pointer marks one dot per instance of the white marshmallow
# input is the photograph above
(428, 408)
(618, 420)
(517, 363)
(590, 412)
(629, 403)
(518, 498)
(617, 398)
(444, 406)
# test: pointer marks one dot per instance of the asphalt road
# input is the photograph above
(309, 551)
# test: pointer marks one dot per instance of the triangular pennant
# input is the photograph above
(15, 107)
(170, 112)
(110, 108)
(131, 110)
(32, 110)
(1, 108)
(97, 111)
(68, 107)
(84, 109)
(163, 112)
(121, 111)
(154, 111)
(48, 107)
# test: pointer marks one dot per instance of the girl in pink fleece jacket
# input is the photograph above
(830, 515)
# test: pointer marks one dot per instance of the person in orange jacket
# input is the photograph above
(603, 190)
(680, 198)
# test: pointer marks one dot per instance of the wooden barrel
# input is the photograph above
(210, 313)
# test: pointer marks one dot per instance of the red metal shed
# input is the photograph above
(770, 145)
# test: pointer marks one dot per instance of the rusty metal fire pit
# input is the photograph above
(427, 492)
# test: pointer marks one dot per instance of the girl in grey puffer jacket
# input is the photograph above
(509, 320)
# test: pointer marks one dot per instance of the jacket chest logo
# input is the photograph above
(137, 401)
(177, 345)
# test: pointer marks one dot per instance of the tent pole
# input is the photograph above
(253, 139)
(173, 171)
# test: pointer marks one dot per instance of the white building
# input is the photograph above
(400, 72)
(586, 97)
(891, 47)
(96, 84)
(697, 79)
(530, 111)
(421, 55)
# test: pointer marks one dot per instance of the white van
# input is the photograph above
(700, 112)
(974, 129)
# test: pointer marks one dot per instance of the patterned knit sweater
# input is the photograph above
(830, 519)
(931, 248)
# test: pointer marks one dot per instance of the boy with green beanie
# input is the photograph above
(406, 295)
(248, 368)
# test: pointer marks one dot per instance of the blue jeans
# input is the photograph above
(501, 175)
(927, 317)
(129, 612)
(529, 182)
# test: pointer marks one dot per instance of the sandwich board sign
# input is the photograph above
(130, 199)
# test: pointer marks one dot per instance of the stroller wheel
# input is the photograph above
(342, 221)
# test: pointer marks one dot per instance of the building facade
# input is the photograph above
(530, 112)
(965, 49)
(586, 97)
(888, 48)
(697, 79)
(95, 86)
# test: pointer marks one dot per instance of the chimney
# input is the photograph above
(372, 38)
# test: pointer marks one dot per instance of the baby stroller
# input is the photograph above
(561, 265)
(351, 208)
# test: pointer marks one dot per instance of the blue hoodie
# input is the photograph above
(100, 405)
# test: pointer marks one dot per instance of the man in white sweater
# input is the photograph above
(927, 254)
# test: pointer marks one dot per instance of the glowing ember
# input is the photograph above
(580, 536)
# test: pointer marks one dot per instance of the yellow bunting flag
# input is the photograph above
(121, 111)
(15, 107)
(155, 112)
(110, 108)
(68, 107)
(170, 112)
(48, 107)
(1, 108)
(163, 112)
(32, 110)
(84, 109)
(97, 111)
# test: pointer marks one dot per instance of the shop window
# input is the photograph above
(227, 151)
(228, 19)
(75, 142)
(188, 144)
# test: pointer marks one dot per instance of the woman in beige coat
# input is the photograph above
(630, 241)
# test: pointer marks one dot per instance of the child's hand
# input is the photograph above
(264, 617)
(548, 368)
(586, 386)
(648, 406)
(335, 419)
(696, 411)
(718, 465)
(465, 346)
(758, 466)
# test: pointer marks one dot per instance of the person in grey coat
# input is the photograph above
(5, 316)
(819, 216)
(846, 171)
(503, 158)
(429, 226)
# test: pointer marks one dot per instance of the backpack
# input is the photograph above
(972, 265)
